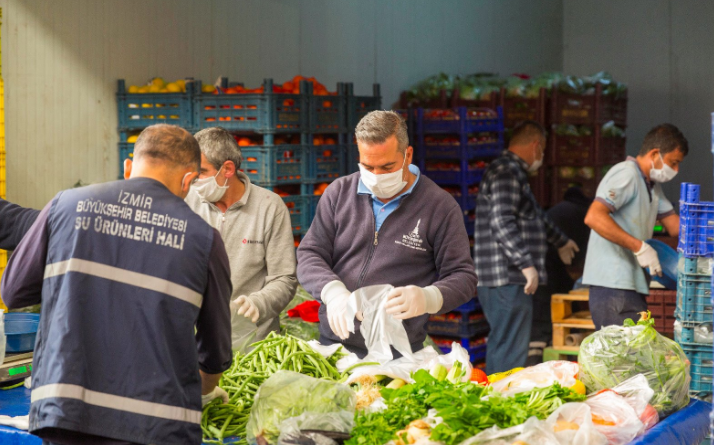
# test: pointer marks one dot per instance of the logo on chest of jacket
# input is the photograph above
(412, 239)
(252, 241)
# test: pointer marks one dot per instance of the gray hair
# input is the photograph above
(377, 126)
(219, 146)
(168, 144)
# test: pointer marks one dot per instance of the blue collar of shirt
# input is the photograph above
(363, 190)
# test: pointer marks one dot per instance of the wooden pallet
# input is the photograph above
(564, 319)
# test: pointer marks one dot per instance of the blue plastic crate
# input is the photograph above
(327, 162)
(351, 158)
(137, 111)
(300, 208)
(470, 223)
(359, 106)
(437, 151)
(327, 114)
(700, 357)
(126, 151)
(476, 354)
(685, 335)
(263, 113)
(696, 223)
(281, 164)
(462, 327)
(701, 383)
(471, 176)
(459, 120)
(694, 298)
(471, 306)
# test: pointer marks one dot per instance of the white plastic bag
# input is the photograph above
(614, 417)
(572, 424)
(457, 354)
(401, 368)
(637, 393)
(380, 330)
(539, 376)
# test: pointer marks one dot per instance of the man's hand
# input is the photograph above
(531, 275)
(413, 301)
(647, 257)
(217, 393)
(244, 306)
(567, 252)
(335, 295)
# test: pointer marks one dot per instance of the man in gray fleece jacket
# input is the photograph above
(386, 224)
(255, 226)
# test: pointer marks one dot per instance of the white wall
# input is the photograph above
(62, 59)
(662, 49)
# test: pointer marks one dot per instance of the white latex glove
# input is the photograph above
(217, 393)
(244, 306)
(647, 257)
(531, 275)
(567, 252)
(335, 296)
(413, 301)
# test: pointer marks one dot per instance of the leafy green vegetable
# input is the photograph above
(616, 353)
(464, 408)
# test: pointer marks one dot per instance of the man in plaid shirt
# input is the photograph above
(510, 247)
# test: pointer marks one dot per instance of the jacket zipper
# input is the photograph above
(376, 240)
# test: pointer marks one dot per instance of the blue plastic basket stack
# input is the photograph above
(296, 142)
(693, 326)
(453, 147)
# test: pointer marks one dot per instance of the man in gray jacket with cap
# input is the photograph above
(255, 226)
(386, 224)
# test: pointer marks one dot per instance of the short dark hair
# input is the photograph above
(169, 144)
(526, 132)
(219, 146)
(667, 138)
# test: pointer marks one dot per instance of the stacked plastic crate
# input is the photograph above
(454, 146)
(293, 144)
(693, 326)
(587, 138)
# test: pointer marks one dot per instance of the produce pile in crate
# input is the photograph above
(586, 118)
(693, 325)
(295, 136)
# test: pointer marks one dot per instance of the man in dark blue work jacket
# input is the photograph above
(135, 291)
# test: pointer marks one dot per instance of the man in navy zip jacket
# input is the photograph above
(16, 221)
(135, 328)
(386, 225)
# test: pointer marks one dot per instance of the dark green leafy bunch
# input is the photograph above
(463, 407)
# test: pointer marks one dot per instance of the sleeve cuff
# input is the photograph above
(665, 214)
(607, 204)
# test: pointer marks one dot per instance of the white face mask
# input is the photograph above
(385, 185)
(208, 188)
(535, 165)
(664, 174)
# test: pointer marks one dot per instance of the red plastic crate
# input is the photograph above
(586, 150)
(517, 109)
(579, 109)
(564, 177)
(662, 304)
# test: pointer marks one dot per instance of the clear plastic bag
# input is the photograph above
(616, 353)
(539, 376)
(289, 401)
(568, 425)
(637, 394)
(613, 416)
(380, 330)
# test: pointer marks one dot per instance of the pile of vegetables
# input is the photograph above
(616, 353)
(465, 408)
(479, 86)
(608, 130)
(249, 371)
